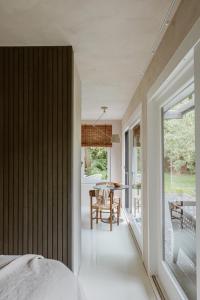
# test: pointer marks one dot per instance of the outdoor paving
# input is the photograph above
(184, 270)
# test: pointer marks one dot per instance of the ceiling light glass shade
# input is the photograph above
(115, 138)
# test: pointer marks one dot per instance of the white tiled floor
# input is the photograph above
(111, 267)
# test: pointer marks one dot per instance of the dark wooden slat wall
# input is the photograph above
(35, 151)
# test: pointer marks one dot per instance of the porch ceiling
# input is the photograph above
(112, 40)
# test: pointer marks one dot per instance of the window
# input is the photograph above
(133, 178)
(179, 195)
(96, 164)
(126, 169)
(136, 176)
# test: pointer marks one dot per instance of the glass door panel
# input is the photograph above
(179, 195)
(126, 179)
(136, 176)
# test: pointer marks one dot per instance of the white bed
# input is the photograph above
(32, 277)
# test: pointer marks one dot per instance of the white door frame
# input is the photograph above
(136, 118)
(191, 41)
(137, 232)
(179, 80)
(197, 146)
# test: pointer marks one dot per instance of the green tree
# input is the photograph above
(179, 142)
(97, 162)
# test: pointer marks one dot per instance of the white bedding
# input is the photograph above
(31, 277)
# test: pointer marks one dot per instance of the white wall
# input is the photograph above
(116, 154)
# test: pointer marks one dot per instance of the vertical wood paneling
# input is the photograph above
(11, 156)
(16, 148)
(30, 151)
(45, 153)
(66, 147)
(35, 151)
(26, 156)
(1, 151)
(21, 149)
(40, 149)
(55, 150)
(6, 150)
(50, 152)
(69, 156)
(60, 154)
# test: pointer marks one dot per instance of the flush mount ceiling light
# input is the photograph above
(104, 108)
(115, 137)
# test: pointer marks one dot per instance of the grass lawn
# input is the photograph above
(180, 184)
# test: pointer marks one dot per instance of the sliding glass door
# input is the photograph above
(179, 192)
(126, 170)
(133, 178)
(173, 180)
(136, 210)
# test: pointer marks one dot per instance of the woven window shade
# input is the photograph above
(136, 136)
(96, 136)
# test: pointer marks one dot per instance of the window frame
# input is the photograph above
(134, 120)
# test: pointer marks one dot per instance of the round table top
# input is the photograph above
(110, 187)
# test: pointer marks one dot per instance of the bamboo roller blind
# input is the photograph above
(136, 135)
(96, 136)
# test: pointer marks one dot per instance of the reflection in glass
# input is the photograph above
(179, 196)
(136, 177)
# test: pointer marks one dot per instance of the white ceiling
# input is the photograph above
(112, 40)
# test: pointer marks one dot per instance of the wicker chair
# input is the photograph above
(99, 206)
(114, 184)
(184, 228)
